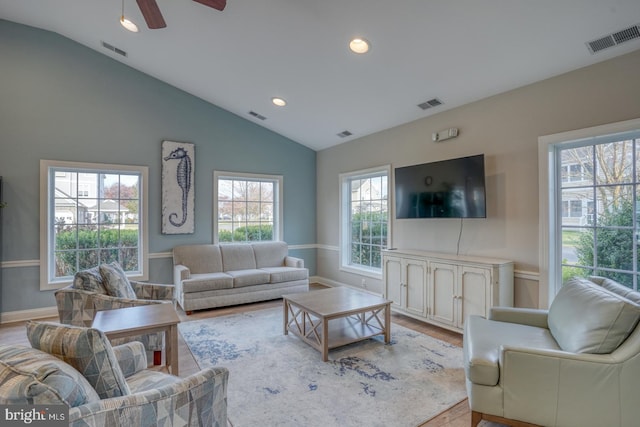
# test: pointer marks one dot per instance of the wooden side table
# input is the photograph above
(141, 320)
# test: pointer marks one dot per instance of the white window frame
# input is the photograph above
(47, 210)
(278, 208)
(345, 226)
(549, 177)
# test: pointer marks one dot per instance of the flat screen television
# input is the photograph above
(445, 189)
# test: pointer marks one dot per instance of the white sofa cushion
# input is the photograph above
(206, 282)
(237, 257)
(270, 254)
(286, 274)
(585, 318)
(199, 259)
(248, 277)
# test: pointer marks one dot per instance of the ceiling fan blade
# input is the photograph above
(151, 13)
(216, 4)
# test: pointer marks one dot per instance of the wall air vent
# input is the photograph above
(430, 104)
(344, 134)
(112, 48)
(614, 39)
(257, 115)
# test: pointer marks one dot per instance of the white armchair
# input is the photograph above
(577, 364)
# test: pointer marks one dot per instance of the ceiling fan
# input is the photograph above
(153, 16)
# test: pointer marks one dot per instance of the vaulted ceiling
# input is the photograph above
(454, 51)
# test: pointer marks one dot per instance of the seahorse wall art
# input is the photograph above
(177, 191)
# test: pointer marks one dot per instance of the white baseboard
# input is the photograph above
(24, 315)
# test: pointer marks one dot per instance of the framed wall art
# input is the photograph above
(178, 192)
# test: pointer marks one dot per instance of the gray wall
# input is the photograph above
(60, 100)
(505, 128)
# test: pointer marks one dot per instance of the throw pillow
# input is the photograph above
(89, 280)
(32, 377)
(86, 349)
(585, 318)
(116, 282)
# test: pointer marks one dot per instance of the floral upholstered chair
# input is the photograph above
(105, 385)
(106, 287)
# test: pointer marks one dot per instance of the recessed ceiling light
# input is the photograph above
(279, 102)
(359, 45)
(128, 24)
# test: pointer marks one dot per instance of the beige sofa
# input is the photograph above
(577, 364)
(208, 276)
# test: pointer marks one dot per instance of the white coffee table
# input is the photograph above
(334, 317)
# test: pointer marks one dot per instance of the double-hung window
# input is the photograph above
(247, 207)
(91, 214)
(364, 223)
(590, 205)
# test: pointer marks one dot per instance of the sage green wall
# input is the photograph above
(60, 100)
(505, 128)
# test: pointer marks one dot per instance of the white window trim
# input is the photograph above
(548, 178)
(344, 237)
(46, 257)
(279, 208)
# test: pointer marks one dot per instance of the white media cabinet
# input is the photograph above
(443, 289)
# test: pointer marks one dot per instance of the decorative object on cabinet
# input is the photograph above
(443, 289)
(178, 192)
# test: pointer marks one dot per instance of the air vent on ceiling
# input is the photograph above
(430, 103)
(257, 115)
(112, 48)
(614, 39)
(344, 134)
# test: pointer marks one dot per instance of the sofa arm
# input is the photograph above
(523, 316)
(75, 306)
(132, 357)
(180, 273)
(153, 291)
(201, 398)
(290, 261)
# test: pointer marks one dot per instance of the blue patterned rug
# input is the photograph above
(278, 380)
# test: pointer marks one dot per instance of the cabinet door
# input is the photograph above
(474, 292)
(415, 284)
(392, 267)
(443, 279)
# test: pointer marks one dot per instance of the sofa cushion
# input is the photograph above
(270, 254)
(585, 318)
(89, 280)
(30, 376)
(248, 277)
(483, 339)
(207, 282)
(86, 349)
(286, 274)
(115, 281)
(199, 259)
(237, 256)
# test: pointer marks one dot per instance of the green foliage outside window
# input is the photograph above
(90, 247)
(250, 233)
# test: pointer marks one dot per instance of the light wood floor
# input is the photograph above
(458, 416)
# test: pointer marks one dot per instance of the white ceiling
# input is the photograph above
(456, 50)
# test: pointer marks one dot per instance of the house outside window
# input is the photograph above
(91, 214)
(247, 207)
(364, 229)
(592, 224)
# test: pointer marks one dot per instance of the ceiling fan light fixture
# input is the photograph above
(278, 101)
(359, 45)
(128, 24)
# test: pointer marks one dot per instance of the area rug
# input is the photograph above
(278, 380)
